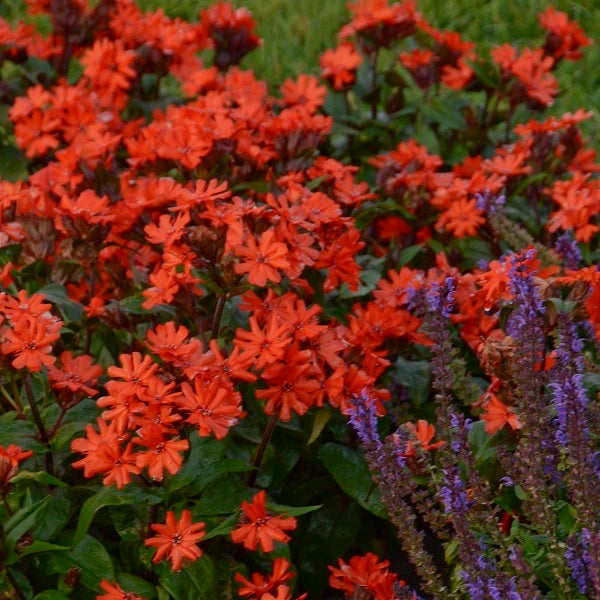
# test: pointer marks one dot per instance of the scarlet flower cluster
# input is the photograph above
(218, 274)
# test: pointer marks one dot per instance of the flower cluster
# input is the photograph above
(204, 277)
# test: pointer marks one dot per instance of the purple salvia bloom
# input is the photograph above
(363, 417)
(581, 555)
(526, 295)
(441, 298)
(489, 202)
(389, 475)
(533, 468)
(577, 566)
(414, 298)
(494, 590)
(572, 432)
(591, 557)
(403, 592)
(569, 250)
(400, 440)
(453, 494)
(476, 586)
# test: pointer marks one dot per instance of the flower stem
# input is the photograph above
(260, 452)
(217, 317)
(38, 422)
(15, 585)
(6, 505)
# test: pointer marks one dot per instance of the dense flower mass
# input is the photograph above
(347, 330)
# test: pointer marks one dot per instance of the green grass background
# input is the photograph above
(295, 32)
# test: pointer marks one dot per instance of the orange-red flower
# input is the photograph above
(364, 572)
(76, 374)
(267, 346)
(564, 38)
(257, 527)
(213, 407)
(261, 262)
(339, 65)
(115, 592)
(162, 454)
(10, 458)
(259, 584)
(31, 341)
(497, 415)
(461, 218)
(108, 64)
(103, 454)
(176, 540)
(305, 90)
(423, 434)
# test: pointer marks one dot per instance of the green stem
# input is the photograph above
(11, 400)
(6, 505)
(15, 585)
(39, 423)
(217, 317)
(373, 84)
(260, 452)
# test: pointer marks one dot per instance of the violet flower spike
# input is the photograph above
(569, 250)
(363, 417)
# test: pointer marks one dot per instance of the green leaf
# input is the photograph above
(22, 582)
(222, 497)
(322, 417)
(257, 186)
(141, 587)
(351, 473)
(13, 163)
(473, 250)
(415, 376)
(520, 493)
(109, 496)
(425, 135)
(224, 528)
(55, 516)
(133, 306)
(56, 293)
(450, 551)
(335, 105)
(328, 535)
(482, 441)
(205, 464)
(292, 511)
(19, 524)
(567, 516)
(93, 561)
(408, 254)
(38, 546)
(51, 595)
(39, 477)
(444, 112)
(66, 433)
(282, 454)
(486, 72)
(368, 279)
(19, 431)
(24, 519)
(196, 581)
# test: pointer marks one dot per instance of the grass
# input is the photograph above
(295, 32)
